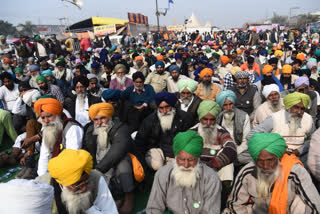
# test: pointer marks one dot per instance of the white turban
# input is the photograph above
(268, 89)
(31, 97)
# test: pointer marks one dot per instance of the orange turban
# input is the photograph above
(138, 58)
(255, 29)
(206, 71)
(103, 109)
(215, 46)
(239, 51)
(7, 60)
(286, 69)
(266, 69)
(301, 56)
(160, 58)
(224, 59)
(49, 105)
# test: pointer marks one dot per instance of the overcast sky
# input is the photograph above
(222, 13)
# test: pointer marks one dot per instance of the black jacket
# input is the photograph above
(193, 106)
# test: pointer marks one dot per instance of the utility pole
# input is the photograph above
(157, 14)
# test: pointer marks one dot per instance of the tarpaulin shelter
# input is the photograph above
(96, 21)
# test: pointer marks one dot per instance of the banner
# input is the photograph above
(175, 28)
(137, 18)
(104, 29)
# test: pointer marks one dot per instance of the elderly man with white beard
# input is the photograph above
(78, 188)
(108, 141)
(236, 122)
(185, 185)
(121, 82)
(34, 72)
(58, 133)
(292, 123)
(274, 183)
(272, 104)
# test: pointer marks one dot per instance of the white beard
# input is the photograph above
(186, 177)
(51, 132)
(186, 101)
(34, 77)
(314, 75)
(294, 124)
(209, 134)
(19, 78)
(274, 108)
(60, 74)
(76, 202)
(81, 98)
(265, 182)
(166, 119)
(121, 81)
(102, 139)
(228, 119)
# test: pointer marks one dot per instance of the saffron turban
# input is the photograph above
(31, 97)
(270, 88)
(47, 73)
(286, 69)
(241, 75)
(138, 58)
(169, 98)
(42, 79)
(49, 105)
(206, 71)
(270, 142)
(160, 58)
(111, 94)
(300, 81)
(235, 69)
(69, 165)
(301, 56)
(278, 53)
(223, 95)
(189, 141)
(189, 84)
(266, 69)
(159, 63)
(224, 59)
(102, 109)
(208, 106)
(295, 98)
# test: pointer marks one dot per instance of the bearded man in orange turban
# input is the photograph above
(206, 89)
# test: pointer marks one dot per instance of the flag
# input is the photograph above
(171, 1)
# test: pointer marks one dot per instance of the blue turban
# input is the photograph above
(34, 67)
(178, 56)
(174, 68)
(263, 52)
(47, 72)
(159, 63)
(111, 94)
(95, 65)
(116, 57)
(223, 95)
(103, 55)
(169, 98)
(72, 58)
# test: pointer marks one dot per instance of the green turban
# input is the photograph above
(18, 70)
(208, 106)
(42, 79)
(189, 84)
(189, 141)
(36, 38)
(216, 55)
(295, 98)
(2, 37)
(271, 142)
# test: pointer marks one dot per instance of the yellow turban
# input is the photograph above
(286, 69)
(206, 71)
(69, 165)
(103, 109)
(266, 69)
(278, 53)
(49, 105)
(235, 69)
(295, 98)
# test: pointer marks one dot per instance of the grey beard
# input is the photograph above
(81, 98)
(34, 77)
(274, 108)
(186, 101)
(121, 81)
(76, 202)
(228, 118)
(294, 123)
(102, 139)
(138, 88)
(166, 119)
(208, 133)
(51, 132)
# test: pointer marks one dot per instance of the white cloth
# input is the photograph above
(26, 196)
(185, 107)
(172, 86)
(19, 108)
(82, 113)
(73, 141)
(270, 88)
(41, 50)
(8, 97)
(31, 97)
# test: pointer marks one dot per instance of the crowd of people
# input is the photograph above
(223, 122)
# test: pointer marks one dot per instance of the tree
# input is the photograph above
(305, 19)
(7, 28)
(278, 19)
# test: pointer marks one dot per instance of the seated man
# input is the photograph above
(188, 101)
(121, 82)
(109, 142)
(272, 104)
(94, 87)
(286, 77)
(77, 188)
(112, 96)
(6, 126)
(274, 183)
(57, 133)
(185, 185)
(236, 122)
(267, 78)
(49, 89)
(206, 89)
(292, 123)
(174, 78)
(158, 78)
(154, 138)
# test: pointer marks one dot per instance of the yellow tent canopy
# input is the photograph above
(108, 21)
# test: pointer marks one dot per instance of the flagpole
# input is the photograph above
(157, 14)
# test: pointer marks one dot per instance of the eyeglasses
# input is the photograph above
(84, 180)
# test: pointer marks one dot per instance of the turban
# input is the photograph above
(78, 61)
(42, 79)
(102, 109)
(34, 67)
(311, 64)
(235, 69)
(208, 106)
(7, 60)
(216, 55)
(273, 60)
(31, 97)
(223, 95)
(178, 56)
(120, 66)
(61, 63)
(170, 52)
(317, 52)
(286, 69)
(189, 84)
(266, 69)
(111, 94)
(206, 71)
(83, 80)
(138, 75)
(47, 73)
(300, 81)
(36, 38)
(174, 68)
(91, 76)
(169, 98)
(2, 37)
(301, 56)
(116, 57)
(18, 70)
(295, 98)
(94, 64)
(138, 58)
(224, 59)
(278, 53)
(52, 55)
(189, 141)
(160, 58)
(270, 142)
(241, 75)
(159, 63)
(68, 166)
(268, 89)
(72, 58)
(49, 105)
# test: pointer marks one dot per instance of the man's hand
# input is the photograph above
(28, 141)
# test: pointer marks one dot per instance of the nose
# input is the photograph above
(300, 111)
(186, 164)
(46, 120)
(229, 107)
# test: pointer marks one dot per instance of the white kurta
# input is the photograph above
(82, 113)
(8, 97)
